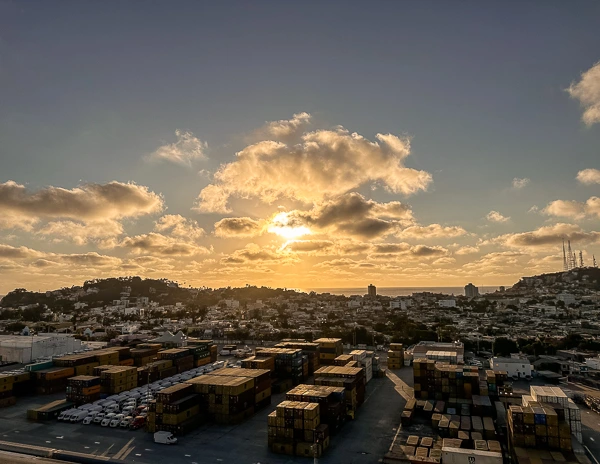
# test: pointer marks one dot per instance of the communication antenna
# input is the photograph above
(570, 253)
(565, 265)
(594, 261)
(580, 258)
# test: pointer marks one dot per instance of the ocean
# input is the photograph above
(397, 291)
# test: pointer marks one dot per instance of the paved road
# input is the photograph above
(362, 441)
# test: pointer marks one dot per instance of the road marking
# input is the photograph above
(126, 453)
(106, 452)
(592, 439)
(122, 450)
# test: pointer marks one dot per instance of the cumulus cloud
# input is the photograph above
(587, 91)
(574, 209)
(548, 237)
(10, 252)
(589, 176)
(495, 216)
(187, 149)
(89, 202)
(307, 246)
(519, 183)
(286, 128)
(254, 253)
(178, 226)
(159, 244)
(80, 233)
(467, 250)
(431, 231)
(389, 250)
(350, 214)
(323, 165)
(15, 221)
(237, 227)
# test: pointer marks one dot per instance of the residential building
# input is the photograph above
(515, 367)
(471, 291)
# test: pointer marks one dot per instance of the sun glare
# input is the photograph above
(280, 225)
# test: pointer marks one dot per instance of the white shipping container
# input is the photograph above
(466, 456)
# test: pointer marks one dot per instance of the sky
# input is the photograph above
(297, 144)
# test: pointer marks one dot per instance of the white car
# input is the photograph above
(126, 422)
(116, 420)
(66, 415)
(107, 419)
(128, 410)
(99, 418)
(88, 420)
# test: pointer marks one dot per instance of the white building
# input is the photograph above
(21, 349)
(593, 363)
(513, 366)
(447, 303)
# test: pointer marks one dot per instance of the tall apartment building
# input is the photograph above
(372, 291)
(471, 291)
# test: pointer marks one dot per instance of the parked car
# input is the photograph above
(99, 418)
(116, 420)
(166, 438)
(137, 423)
(107, 419)
(126, 422)
(66, 415)
(88, 420)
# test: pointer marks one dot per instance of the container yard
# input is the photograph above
(291, 367)
(547, 422)
(311, 350)
(83, 389)
(395, 356)
(295, 428)
(330, 348)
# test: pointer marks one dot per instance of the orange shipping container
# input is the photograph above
(126, 362)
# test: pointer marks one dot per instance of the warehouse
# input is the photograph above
(23, 349)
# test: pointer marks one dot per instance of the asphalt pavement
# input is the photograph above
(362, 441)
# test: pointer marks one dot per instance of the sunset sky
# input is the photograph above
(298, 144)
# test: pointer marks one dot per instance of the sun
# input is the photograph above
(280, 225)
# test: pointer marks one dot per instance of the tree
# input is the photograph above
(504, 346)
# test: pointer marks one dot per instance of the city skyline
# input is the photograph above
(407, 145)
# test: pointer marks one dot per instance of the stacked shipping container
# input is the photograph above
(295, 428)
(83, 389)
(395, 356)
(176, 410)
(329, 349)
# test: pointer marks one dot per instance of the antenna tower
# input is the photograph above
(565, 265)
(580, 258)
(594, 261)
(570, 253)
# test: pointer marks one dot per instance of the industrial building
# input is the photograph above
(454, 350)
(25, 349)
(515, 367)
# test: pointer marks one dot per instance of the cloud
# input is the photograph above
(187, 149)
(350, 214)
(286, 128)
(548, 237)
(495, 216)
(307, 246)
(467, 250)
(431, 231)
(388, 250)
(589, 176)
(178, 226)
(574, 209)
(323, 165)
(587, 91)
(518, 183)
(254, 253)
(89, 259)
(89, 202)
(79, 233)
(10, 252)
(237, 227)
(15, 221)
(159, 244)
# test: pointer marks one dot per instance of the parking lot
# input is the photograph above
(362, 441)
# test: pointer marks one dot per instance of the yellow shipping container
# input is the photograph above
(176, 419)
